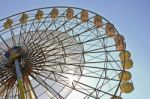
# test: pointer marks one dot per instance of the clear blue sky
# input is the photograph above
(131, 18)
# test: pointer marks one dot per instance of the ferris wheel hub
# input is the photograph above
(14, 53)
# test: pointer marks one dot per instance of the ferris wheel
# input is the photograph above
(62, 52)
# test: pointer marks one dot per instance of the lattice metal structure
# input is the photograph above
(62, 52)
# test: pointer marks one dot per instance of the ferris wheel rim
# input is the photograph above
(73, 8)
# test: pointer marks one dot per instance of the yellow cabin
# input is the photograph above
(39, 15)
(127, 87)
(124, 55)
(23, 18)
(126, 76)
(110, 30)
(54, 13)
(119, 38)
(84, 16)
(127, 64)
(69, 14)
(8, 23)
(98, 21)
(121, 46)
(116, 97)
